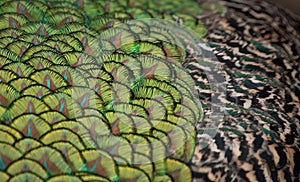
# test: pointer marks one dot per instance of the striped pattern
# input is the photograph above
(258, 47)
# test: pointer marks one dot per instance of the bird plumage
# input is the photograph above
(97, 91)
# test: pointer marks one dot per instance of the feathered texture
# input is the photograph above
(76, 107)
(258, 48)
(88, 94)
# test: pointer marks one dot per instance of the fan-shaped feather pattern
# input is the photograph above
(62, 17)
(99, 23)
(120, 123)
(142, 124)
(72, 41)
(20, 69)
(26, 176)
(11, 32)
(31, 125)
(7, 76)
(12, 20)
(33, 39)
(42, 29)
(4, 61)
(27, 165)
(174, 137)
(47, 54)
(11, 130)
(38, 91)
(62, 135)
(7, 95)
(132, 174)
(8, 154)
(129, 109)
(9, 55)
(116, 146)
(62, 103)
(22, 83)
(29, 52)
(99, 162)
(59, 46)
(49, 78)
(39, 63)
(18, 48)
(6, 41)
(72, 154)
(80, 130)
(25, 105)
(92, 124)
(155, 108)
(156, 94)
(6, 137)
(27, 144)
(50, 159)
(76, 29)
(178, 171)
(87, 95)
(53, 117)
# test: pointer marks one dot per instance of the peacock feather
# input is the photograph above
(122, 91)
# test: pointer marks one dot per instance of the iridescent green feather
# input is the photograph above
(93, 95)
